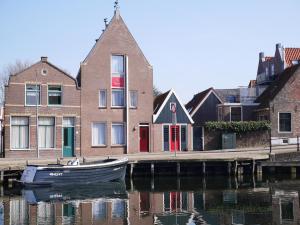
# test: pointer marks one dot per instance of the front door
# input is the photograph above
(175, 142)
(198, 138)
(68, 141)
(144, 138)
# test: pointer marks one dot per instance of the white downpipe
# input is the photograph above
(127, 105)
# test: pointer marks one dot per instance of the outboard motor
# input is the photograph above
(73, 162)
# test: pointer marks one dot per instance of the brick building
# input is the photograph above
(116, 83)
(47, 91)
(280, 104)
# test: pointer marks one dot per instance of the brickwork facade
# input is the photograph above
(44, 74)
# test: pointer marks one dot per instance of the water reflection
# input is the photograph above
(162, 201)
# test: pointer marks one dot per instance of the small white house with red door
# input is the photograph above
(172, 124)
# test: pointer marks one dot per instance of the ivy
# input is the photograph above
(238, 127)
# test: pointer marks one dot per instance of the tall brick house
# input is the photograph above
(47, 91)
(116, 83)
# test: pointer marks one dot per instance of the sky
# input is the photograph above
(191, 44)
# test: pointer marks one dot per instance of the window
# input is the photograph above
(19, 132)
(99, 134)
(231, 99)
(133, 99)
(102, 98)
(267, 70)
(117, 66)
(118, 134)
(54, 95)
(272, 69)
(46, 132)
(220, 113)
(166, 138)
(33, 93)
(117, 98)
(236, 114)
(285, 122)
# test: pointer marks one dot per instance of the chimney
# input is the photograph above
(261, 56)
(44, 58)
(278, 45)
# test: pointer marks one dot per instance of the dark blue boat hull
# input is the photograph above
(62, 175)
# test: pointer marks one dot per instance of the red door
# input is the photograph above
(174, 132)
(144, 139)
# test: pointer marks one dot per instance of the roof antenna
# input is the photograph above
(105, 22)
(116, 5)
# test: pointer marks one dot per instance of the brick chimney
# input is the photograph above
(261, 56)
(44, 58)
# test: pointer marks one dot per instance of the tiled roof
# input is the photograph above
(196, 100)
(291, 54)
(224, 94)
(276, 86)
(159, 100)
(269, 58)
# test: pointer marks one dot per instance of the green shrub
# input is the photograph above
(238, 127)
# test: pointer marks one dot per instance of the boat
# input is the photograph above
(75, 173)
(82, 192)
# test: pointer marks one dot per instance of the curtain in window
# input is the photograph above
(102, 98)
(133, 99)
(68, 122)
(117, 65)
(118, 134)
(118, 97)
(98, 132)
(46, 132)
(19, 133)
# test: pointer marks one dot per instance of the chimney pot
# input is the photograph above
(261, 55)
(44, 58)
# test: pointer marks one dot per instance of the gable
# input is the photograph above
(165, 115)
(116, 39)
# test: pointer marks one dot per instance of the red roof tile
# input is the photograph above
(269, 58)
(291, 54)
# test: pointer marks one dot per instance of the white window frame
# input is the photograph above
(241, 107)
(105, 105)
(105, 138)
(114, 74)
(54, 136)
(124, 100)
(61, 94)
(278, 123)
(137, 99)
(124, 130)
(10, 134)
(40, 94)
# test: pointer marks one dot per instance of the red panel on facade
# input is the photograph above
(117, 82)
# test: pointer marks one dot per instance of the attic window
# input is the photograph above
(44, 72)
(295, 62)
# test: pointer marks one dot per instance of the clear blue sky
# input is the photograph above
(191, 44)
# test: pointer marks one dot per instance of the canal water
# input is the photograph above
(214, 200)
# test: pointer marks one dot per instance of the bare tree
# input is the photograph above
(156, 91)
(10, 69)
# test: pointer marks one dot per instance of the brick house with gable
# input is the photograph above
(116, 83)
(280, 103)
(58, 98)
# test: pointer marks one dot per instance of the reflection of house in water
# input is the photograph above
(285, 207)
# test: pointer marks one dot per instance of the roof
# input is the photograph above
(252, 83)
(160, 102)
(224, 94)
(196, 100)
(280, 81)
(291, 54)
(269, 58)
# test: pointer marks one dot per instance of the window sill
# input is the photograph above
(116, 146)
(118, 107)
(21, 149)
(32, 105)
(102, 107)
(99, 146)
(285, 132)
(55, 105)
(133, 107)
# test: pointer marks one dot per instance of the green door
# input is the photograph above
(68, 134)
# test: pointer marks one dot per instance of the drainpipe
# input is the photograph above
(127, 106)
